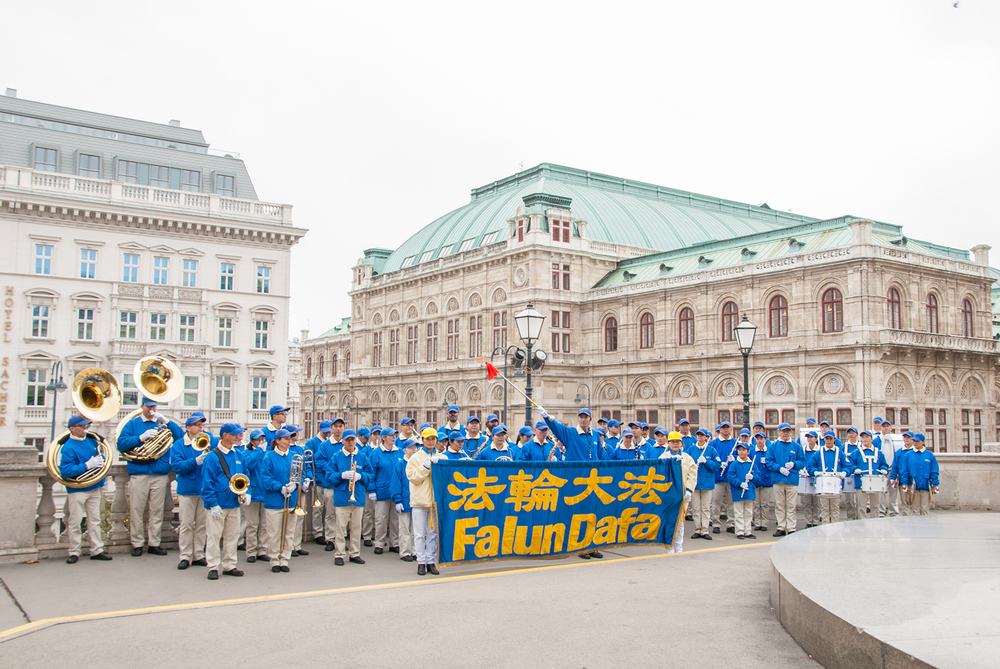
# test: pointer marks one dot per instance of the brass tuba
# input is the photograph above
(239, 484)
(88, 478)
(162, 381)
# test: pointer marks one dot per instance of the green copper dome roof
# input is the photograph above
(618, 211)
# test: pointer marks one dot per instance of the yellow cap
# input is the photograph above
(429, 432)
(674, 436)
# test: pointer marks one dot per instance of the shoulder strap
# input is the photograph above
(222, 462)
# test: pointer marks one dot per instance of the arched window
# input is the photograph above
(895, 310)
(320, 370)
(778, 316)
(611, 334)
(932, 313)
(309, 367)
(347, 363)
(730, 318)
(646, 330)
(967, 329)
(833, 311)
(686, 327)
(333, 364)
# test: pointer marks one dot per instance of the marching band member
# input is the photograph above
(453, 424)
(919, 476)
(810, 503)
(895, 473)
(364, 438)
(223, 505)
(640, 441)
(743, 480)
(401, 498)
(186, 462)
(524, 435)
(645, 431)
(614, 437)
(79, 453)
(811, 424)
(418, 472)
(890, 501)
(314, 443)
(298, 522)
(256, 530)
(280, 498)
(825, 427)
(473, 440)
(346, 465)
(626, 449)
(764, 490)
(654, 448)
(868, 460)
(851, 447)
(722, 500)
(279, 416)
(491, 422)
(148, 482)
(537, 448)
(689, 477)
(456, 444)
(708, 462)
(383, 461)
(499, 448)
(785, 458)
(684, 427)
(406, 427)
(367, 448)
(322, 457)
(828, 460)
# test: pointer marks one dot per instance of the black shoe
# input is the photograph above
(302, 552)
(407, 558)
(201, 562)
(213, 575)
(584, 556)
(393, 549)
(421, 569)
(136, 552)
(432, 568)
(183, 564)
(740, 536)
(723, 517)
(751, 536)
(295, 553)
(790, 532)
(263, 558)
(731, 530)
(276, 569)
(689, 517)
(320, 540)
(72, 559)
(779, 533)
(696, 535)
(251, 559)
(716, 530)
(339, 562)
(596, 554)
(100, 556)
(356, 560)
(368, 543)
(707, 536)
(232, 572)
(329, 547)
(284, 569)
(156, 550)
(241, 547)
(378, 551)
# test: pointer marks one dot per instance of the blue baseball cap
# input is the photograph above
(423, 426)
(325, 425)
(452, 407)
(852, 429)
(627, 432)
(492, 416)
(601, 431)
(407, 443)
(744, 432)
(231, 428)
(364, 432)
(527, 431)
(192, 420)
(148, 402)
(407, 420)
(338, 419)
(499, 429)
(908, 434)
(473, 418)
(198, 413)
(683, 421)
(80, 420)
(812, 433)
(541, 425)
(614, 423)
(349, 433)
(725, 423)
(387, 432)
(277, 408)
(256, 434)
(455, 435)
(660, 430)
(282, 433)
(294, 429)
(864, 432)
(758, 424)
(376, 428)
(583, 412)
(829, 434)
(632, 423)
(887, 422)
(602, 419)
(878, 419)
(761, 435)
(644, 426)
(824, 422)
(704, 432)
(918, 436)
(784, 426)
(810, 420)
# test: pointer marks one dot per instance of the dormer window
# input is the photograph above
(427, 255)
(560, 231)
(489, 239)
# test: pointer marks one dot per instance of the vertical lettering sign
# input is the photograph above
(8, 327)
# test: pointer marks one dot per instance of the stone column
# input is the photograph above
(168, 535)
(119, 535)
(19, 474)
(46, 514)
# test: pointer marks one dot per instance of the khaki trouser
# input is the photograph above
(272, 518)
(810, 510)
(225, 530)
(678, 545)
(330, 515)
(425, 535)
(829, 508)
(386, 524)
(348, 519)
(87, 504)
(851, 504)
(146, 489)
(744, 515)
(192, 533)
(701, 509)
(318, 511)
(257, 532)
(786, 497)
(762, 507)
(368, 520)
(405, 534)
(300, 522)
(920, 504)
(868, 504)
(906, 502)
(722, 502)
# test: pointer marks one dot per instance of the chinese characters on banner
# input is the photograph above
(503, 510)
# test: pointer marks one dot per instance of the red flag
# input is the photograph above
(491, 371)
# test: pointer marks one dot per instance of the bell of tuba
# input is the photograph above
(158, 378)
(96, 394)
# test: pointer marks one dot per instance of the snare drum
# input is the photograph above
(806, 485)
(874, 483)
(827, 484)
(849, 484)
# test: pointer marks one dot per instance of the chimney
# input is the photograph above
(174, 122)
(304, 336)
(982, 253)
(11, 93)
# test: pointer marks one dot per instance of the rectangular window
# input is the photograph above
(500, 329)
(393, 348)
(432, 417)
(788, 416)
(376, 349)
(191, 181)
(890, 415)
(654, 416)
(693, 416)
(678, 415)
(825, 415)
(966, 441)
(432, 342)
(36, 388)
(191, 391)
(45, 160)
(225, 185)
(43, 259)
(226, 332)
(128, 171)
(560, 338)
(560, 276)
(130, 394)
(475, 336)
(426, 255)
(227, 272)
(128, 322)
(89, 166)
(929, 440)
(263, 279)
(640, 416)
(40, 321)
(942, 441)
(977, 441)
(723, 415)
(258, 394)
(977, 417)
(965, 417)
(190, 277)
(158, 326)
(844, 417)
(260, 334)
(453, 330)
(223, 392)
(393, 419)
(928, 416)
(88, 264)
(131, 268)
(160, 267)
(159, 177)
(943, 417)
(904, 416)
(187, 328)
(85, 324)
(411, 344)
(560, 231)
(771, 417)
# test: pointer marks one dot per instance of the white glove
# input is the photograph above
(246, 499)
(373, 497)
(159, 417)
(435, 457)
(789, 466)
(201, 458)
(148, 434)
(427, 463)
(749, 476)
(347, 476)
(804, 472)
(287, 489)
(842, 474)
(730, 458)
(94, 461)
(785, 471)
(216, 512)
(357, 476)
(543, 413)
(399, 508)
(702, 460)
(306, 484)
(857, 472)
(687, 495)
(745, 485)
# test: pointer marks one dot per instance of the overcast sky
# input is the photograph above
(375, 119)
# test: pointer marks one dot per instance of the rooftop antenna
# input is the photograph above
(522, 165)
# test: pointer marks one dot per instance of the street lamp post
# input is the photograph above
(55, 385)
(348, 406)
(529, 326)
(506, 354)
(316, 392)
(577, 398)
(745, 333)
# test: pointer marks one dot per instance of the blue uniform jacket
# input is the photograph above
(706, 472)
(339, 463)
(652, 451)
(736, 474)
(491, 454)
(689, 441)
(897, 462)
(269, 433)
(400, 486)
(779, 454)
(73, 460)
(760, 458)
(869, 461)
(182, 462)
(470, 445)
(826, 460)
(129, 440)
(276, 471)
(447, 454)
(383, 467)
(251, 463)
(724, 448)
(321, 456)
(579, 445)
(532, 451)
(620, 453)
(610, 444)
(215, 484)
(920, 470)
(449, 429)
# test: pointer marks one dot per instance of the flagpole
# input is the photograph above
(496, 373)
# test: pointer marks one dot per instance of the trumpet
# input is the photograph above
(354, 468)
(309, 459)
(238, 485)
(201, 442)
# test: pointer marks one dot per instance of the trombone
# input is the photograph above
(294, 477)
(201, 442)
(308, 459)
